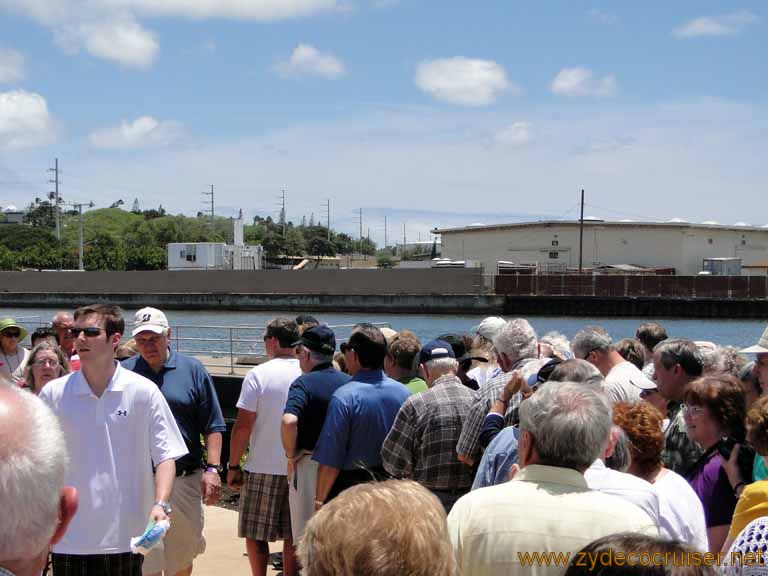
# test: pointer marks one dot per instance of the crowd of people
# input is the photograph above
(494, 452)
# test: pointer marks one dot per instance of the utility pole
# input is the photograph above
(328, 217)
(282, 210)
(79, 208)
(212, 202)
(581, 232)
(385, 232)
(360, 221)
(55, 183)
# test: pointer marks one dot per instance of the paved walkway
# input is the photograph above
(225, 552)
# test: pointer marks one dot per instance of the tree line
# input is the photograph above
(115, 239)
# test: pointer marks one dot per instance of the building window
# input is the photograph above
(554, 255)
(555, 243)
(709, 241)
(743, 242)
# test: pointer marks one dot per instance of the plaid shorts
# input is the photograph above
(264, 511)
(125, 564)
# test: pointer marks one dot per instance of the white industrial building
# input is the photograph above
(553, 246)
(216, 255)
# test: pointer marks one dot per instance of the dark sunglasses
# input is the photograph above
(90, 331)
(344, 347)
(12, 333)
(648, 392)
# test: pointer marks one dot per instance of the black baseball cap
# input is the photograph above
(318, 339)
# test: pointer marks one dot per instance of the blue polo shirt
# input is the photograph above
(189, 391)
(359, 418)
(308, 399)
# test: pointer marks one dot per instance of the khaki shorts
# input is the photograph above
(184, 540)
(301, 494)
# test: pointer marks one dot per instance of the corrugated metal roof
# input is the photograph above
(602, 223)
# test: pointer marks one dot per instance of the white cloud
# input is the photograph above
(723, 25)
(143, 132)
(111, 29)
(261, 10)
(306, 60)
(24, 120)
(581, 82)
(463, 81)
(125, 42)
(12, 67)
(516, 134)
(602, 17)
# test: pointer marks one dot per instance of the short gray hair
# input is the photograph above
(621, 459)
(680, 351)
(591, 338)
(517, 339)
(33, 464)
(576, 370)
(318, 358)
(442, 365)
(569, 424)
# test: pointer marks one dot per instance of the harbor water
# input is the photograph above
(247, 327)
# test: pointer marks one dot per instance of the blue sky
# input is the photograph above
(433, 114)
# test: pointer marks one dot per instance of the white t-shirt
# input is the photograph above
(264, 391)
(636, 490)
(682, 513)
(112, 441)
(619, 383)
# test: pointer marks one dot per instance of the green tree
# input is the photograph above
(41, 214)
(145, 258)
(104, 253)
(7, 259)
(320, 246)
(342, 243)
(384, 261)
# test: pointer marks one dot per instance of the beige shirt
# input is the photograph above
(544, 509)
(12, 366)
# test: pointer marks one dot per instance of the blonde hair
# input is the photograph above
(387, 528)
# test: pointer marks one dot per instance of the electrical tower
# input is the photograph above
(282, 219)
(327, 210)
(136, 208)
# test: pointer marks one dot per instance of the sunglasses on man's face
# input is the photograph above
(12, 334)
(90, 331)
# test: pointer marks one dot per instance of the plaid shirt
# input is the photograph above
(422, 442)
(469, 442)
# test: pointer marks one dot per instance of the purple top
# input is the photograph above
(710, 482)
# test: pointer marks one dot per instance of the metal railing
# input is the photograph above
(212, 342)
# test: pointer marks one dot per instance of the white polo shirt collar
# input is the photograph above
(116, 383)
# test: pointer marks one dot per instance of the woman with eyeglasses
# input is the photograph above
(715, 410)
(46, 362)
(13, 356)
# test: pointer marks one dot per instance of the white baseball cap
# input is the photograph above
(490, 326)
(149, 319)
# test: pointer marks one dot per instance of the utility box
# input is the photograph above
(722, 266)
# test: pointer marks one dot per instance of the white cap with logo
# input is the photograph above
(149, 319)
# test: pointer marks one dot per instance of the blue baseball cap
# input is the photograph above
(434, 350)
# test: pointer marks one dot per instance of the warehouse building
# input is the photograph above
(553, 246)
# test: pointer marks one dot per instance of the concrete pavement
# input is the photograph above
(225, 552)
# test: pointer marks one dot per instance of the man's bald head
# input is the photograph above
(33, 463)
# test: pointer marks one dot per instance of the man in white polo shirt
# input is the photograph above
(116, 425)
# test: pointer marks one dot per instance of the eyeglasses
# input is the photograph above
(90, 331)
(588, 353)
(646, 393)
(694, 411)
(52, 362)
(12, 333)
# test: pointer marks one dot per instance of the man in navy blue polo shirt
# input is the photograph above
(303, 418)
(188, 389)
(359, 417)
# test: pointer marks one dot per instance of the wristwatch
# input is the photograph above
(235, 468)
(166, 506)
(214, 467)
